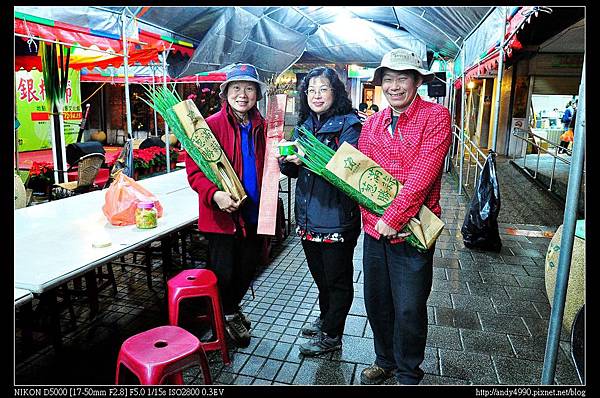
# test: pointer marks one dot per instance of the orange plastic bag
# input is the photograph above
(567, 136)
(121, 200)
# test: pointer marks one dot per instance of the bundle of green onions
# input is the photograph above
(162, 101)
(317, 155)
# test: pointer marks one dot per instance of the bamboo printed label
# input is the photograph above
(364, 175)
(209, 148)
(378, 185)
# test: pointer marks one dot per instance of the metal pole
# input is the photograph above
(126, 70)
(164, 62)
(499, 81)
(16, 142)
(566, 242)
(462, 122)
(154, 91)
(553, 167)
(450, 154)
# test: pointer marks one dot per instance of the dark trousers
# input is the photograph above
(563, 146)
(397, 283)
(234, 260)
(331, 267)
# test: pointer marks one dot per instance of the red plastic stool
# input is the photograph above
(199, 283)
(161, 353)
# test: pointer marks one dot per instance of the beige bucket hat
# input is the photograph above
(401, 59)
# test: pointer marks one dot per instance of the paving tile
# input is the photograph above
(539, 327)
(440, 274)
(463, 275)
(518, 260)
(531, 281)
(515, 307)
(243, 380)
(269, 369)
(264, 347)
(543, 309)
(259, 381)
(356, 350)
(476, 266)
(513, 269)
(431, 361)
(503, 324)
(430, 315)
(453, 286)
(487, 290)
(526, 293)
(534, 252)
(436, 380)
(471, 302)
(457, 318)
(499, 279)
(443, 337)
(238, 360)
(446, 262)
(518, 371)
(355, 325)
(486, 342)
(280, 350)
(224, 378)
(320, 371)
(441, 299)
(358, 308)
(476, 368)
(252, 365)
(537, 270)
(479, 256)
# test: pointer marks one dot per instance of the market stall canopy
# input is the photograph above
(274, 38)
(144, 74)
(90, 26)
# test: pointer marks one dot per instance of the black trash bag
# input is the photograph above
(480, 228)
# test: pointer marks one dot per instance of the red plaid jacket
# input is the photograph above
(414, 156)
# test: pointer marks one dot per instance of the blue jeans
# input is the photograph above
(397, 283)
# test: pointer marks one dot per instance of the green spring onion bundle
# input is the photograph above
(317, 155)
(162, 100)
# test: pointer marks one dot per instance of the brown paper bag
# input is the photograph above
(372, 181)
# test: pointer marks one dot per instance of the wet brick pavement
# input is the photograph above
(488, 318)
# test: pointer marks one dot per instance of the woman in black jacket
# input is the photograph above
(327, 220)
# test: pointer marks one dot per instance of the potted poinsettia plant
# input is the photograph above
(141, 162)
(41, 177)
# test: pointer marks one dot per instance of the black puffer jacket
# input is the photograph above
(321, 207)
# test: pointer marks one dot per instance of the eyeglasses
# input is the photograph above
(322, 91)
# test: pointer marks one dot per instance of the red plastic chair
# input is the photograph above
(199, 283)
(161, 354)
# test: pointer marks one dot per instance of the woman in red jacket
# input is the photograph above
(234, 248)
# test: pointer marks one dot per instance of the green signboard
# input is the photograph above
(33, 110)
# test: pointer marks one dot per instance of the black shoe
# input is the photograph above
(313, 329)
(321, 344)
(237, 331)
(375, 375)
(245, 319)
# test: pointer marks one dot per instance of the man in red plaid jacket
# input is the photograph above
(409, 139)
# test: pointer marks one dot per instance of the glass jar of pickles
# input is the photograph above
(145, 215)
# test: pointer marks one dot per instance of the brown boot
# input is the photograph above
(375, 374)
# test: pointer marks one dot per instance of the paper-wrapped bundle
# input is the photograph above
(366, 182)
(191, 130)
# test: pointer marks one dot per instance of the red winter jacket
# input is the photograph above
(226, 130)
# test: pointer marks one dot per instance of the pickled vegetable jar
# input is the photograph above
(146, 215)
